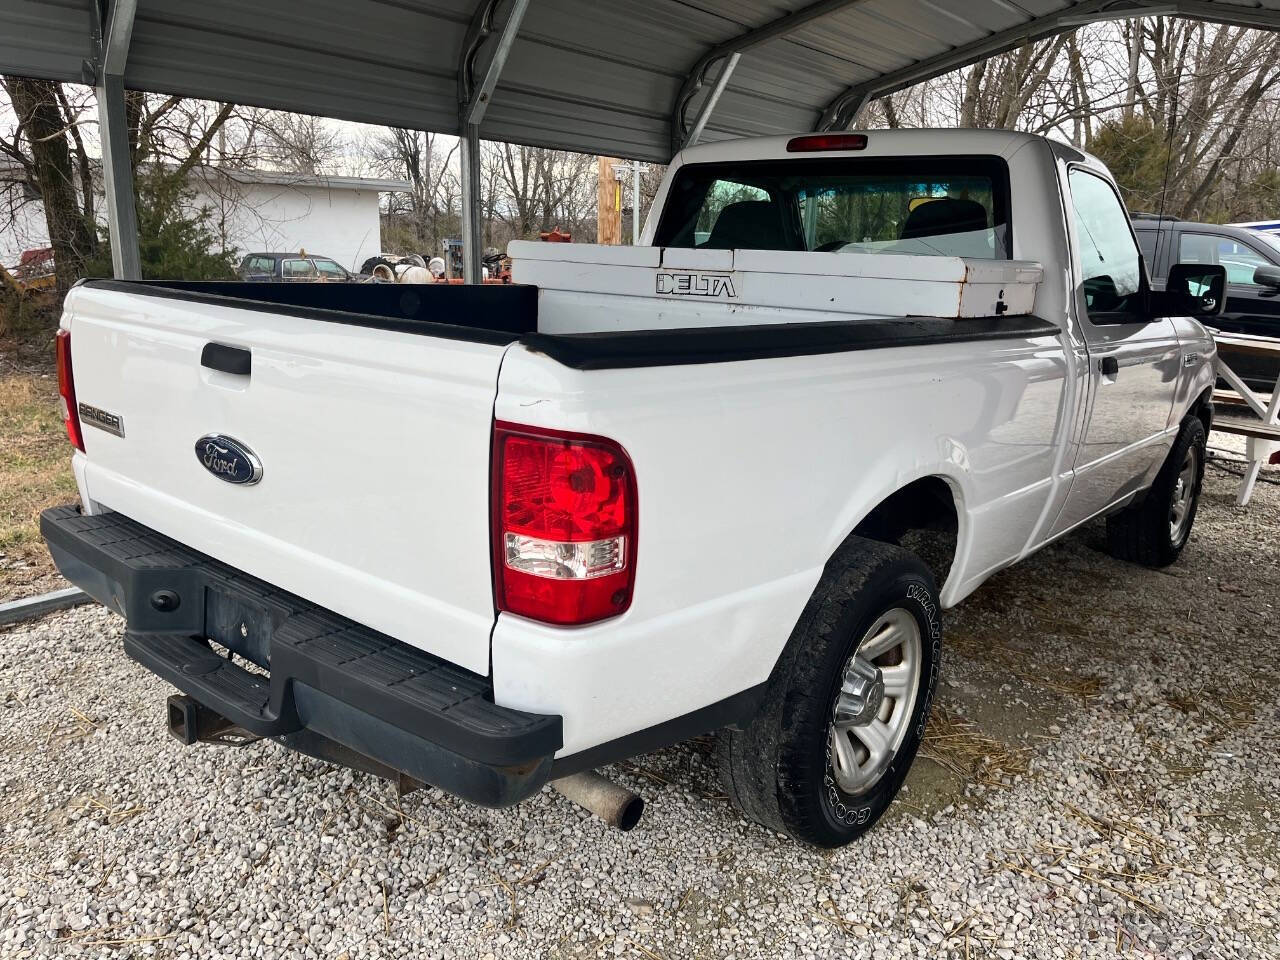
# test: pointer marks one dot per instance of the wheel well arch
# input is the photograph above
(1202, 408)
(923, 516)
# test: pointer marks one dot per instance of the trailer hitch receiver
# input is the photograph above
(192, 723)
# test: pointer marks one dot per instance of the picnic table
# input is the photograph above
(1264, 433)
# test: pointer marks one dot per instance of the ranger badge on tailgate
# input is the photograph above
(103, 420)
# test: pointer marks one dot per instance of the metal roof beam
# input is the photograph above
(1260, 18)
(697, 75)
(474, 94)
(475, 91)
(841, 111)
(115, 35)
(712, 98)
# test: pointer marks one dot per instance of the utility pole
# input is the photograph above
(636, 169)
(608, 203)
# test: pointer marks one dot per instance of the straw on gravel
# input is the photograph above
(955, 743)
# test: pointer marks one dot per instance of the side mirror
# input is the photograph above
(1196, 290)
(1268, 275)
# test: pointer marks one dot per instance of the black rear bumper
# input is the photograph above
(329, 676)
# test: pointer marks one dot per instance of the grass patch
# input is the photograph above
(35, 472)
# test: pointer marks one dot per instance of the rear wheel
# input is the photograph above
(847, 705)
(1154, 531)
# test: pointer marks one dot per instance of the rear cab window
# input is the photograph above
(934, 206)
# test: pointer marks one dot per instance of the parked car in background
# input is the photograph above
(1271, 227)
(303, 267)
(1252, 260)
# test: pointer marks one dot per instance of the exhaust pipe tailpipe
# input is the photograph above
(612, 803)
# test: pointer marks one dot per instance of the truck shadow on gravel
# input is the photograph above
(1040, 642)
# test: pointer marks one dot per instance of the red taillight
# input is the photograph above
(67, 391)
(564, 525)
(815, 142)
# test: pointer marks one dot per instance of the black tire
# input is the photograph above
(777, 770)
(1144, 533)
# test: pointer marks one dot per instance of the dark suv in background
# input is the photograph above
(1252, 259)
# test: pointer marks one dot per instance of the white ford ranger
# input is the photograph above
(490, 537)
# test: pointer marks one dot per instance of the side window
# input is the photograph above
(298, 270)
(1147, 243)
(259, 266)
(329, 269)
(1110, 266)
(1240, 260)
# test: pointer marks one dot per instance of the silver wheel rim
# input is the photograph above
(1184, 494)
(877, 697)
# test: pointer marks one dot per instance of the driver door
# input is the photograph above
(1133, 359)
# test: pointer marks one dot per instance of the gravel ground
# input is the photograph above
(1101, 781)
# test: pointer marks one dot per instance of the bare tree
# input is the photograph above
(539, 187)
(1184, 112)
(297, 143)
(429, 211)
(41, 148)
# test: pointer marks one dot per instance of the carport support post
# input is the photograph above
(472, 213)
(117, 166)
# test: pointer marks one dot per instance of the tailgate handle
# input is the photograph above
(228, 359)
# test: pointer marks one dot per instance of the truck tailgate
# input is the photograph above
(374, 447)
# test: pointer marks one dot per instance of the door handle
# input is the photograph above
(228, 359)
(1109, 366)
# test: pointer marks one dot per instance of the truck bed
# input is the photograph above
(486, 313)
(658, 348)
(502, 315)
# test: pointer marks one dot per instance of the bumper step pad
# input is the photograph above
(327, 673)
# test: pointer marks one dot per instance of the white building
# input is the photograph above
(253, 210)
(22, 225)
(261, 211)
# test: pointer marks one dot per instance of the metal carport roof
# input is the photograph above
(627, 79)
(581, 75)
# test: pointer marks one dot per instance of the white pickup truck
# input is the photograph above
(491, 537)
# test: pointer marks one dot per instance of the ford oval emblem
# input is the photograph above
(228, 459)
